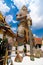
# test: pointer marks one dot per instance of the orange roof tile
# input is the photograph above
(38, 40)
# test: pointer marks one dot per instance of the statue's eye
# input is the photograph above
(16, 14)
(20, 14)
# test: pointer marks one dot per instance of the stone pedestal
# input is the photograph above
(18, 58)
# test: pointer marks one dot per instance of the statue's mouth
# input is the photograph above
(20, 17)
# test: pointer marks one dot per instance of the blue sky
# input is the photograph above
(9, 8)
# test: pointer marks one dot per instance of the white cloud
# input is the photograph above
(20, 3)
(14, 21)
(35, 35)
(13, 28)
(2, 0)
(9, 18)
(36, 19)
(3, 7)
(12, 6)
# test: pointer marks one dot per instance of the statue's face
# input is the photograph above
(21, 15)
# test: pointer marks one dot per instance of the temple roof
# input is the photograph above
(38, 40)
(4, 25)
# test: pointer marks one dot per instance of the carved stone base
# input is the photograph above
(18, 58)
